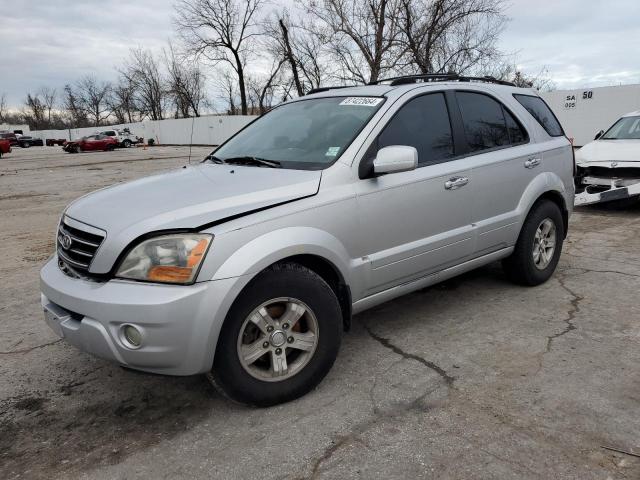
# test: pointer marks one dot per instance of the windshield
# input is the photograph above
(309, 134)
(627, 128)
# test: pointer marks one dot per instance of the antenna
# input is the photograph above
(193, 119)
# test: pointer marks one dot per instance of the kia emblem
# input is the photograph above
(65, 241)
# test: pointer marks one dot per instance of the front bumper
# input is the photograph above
(179, 324)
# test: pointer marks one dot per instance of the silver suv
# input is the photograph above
(250, 265)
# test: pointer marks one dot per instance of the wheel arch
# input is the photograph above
(545, 186)
(326, 270)
(315, 249)
(557, 198)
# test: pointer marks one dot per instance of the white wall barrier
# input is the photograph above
(586, 111)
(208, 130)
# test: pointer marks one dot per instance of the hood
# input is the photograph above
(186, 198)
(609, 151)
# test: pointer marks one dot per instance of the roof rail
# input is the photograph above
(439, 77)
(324, 89)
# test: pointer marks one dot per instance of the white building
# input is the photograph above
(585, 112)
(20, 128)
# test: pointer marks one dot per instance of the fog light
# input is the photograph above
(132, 335)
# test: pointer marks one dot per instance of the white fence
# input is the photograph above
(209, 130)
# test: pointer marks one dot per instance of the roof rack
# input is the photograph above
(439, 77)
(324, 89)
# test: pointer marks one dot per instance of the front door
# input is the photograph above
(418, 222)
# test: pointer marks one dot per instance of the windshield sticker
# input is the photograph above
(332, 152)
(361, 101)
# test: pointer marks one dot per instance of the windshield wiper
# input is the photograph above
(248, 160)
(213, 159)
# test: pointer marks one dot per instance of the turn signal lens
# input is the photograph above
(170, 274)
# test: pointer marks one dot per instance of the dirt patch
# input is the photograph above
(22, 196)
(47, 437)
(30, 404)
(39, 252)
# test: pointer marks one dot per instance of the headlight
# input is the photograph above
(167, 259)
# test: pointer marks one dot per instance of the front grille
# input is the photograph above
(606, 172)
(76, 248)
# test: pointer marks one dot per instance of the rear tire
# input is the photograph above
(285, 301)
(126, 143)
(539, 245)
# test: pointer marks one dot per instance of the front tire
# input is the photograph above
(280, 337)
(539, 245)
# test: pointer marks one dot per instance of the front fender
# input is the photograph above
(267, 249)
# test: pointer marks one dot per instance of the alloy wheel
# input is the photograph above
(277, 339)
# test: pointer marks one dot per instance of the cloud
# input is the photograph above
(582, 43)
(56, 43)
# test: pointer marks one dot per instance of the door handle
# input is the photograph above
(455, 182)
(532, 163)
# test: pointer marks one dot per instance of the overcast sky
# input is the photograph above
(581, 42)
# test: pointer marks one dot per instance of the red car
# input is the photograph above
(92, 142)
(5, 146)
(7, 135)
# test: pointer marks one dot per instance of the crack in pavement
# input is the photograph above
(331, 449)
(410, 356)
(571, 313)
(30, 349)
(617, 272)
(353, 435)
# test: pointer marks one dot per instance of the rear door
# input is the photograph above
(504, 162)
(418, 222)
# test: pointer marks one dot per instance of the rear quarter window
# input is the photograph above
(542, 113)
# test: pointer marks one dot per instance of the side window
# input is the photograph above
(484, 121)
(542, 113)
(517, 134)
(423, 123)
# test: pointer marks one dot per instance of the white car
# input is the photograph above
(609, 167)
(124, 137)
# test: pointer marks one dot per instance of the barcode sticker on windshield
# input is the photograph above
(361, 101)
(332, 151)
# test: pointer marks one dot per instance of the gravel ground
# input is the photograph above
(471, 379)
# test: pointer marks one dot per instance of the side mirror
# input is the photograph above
(395, 158)
(599, 134)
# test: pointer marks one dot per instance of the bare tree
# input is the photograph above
(93, 95)
(450, 35)
(49, 97)
(220, 31)
(262, 90)
(303, 53)
(283, 39)
(3, 107)
(142, 72)
(185, 83)
(76, 115)
(362, 34)
(227, 85)
(35, 111)
(122, 102)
